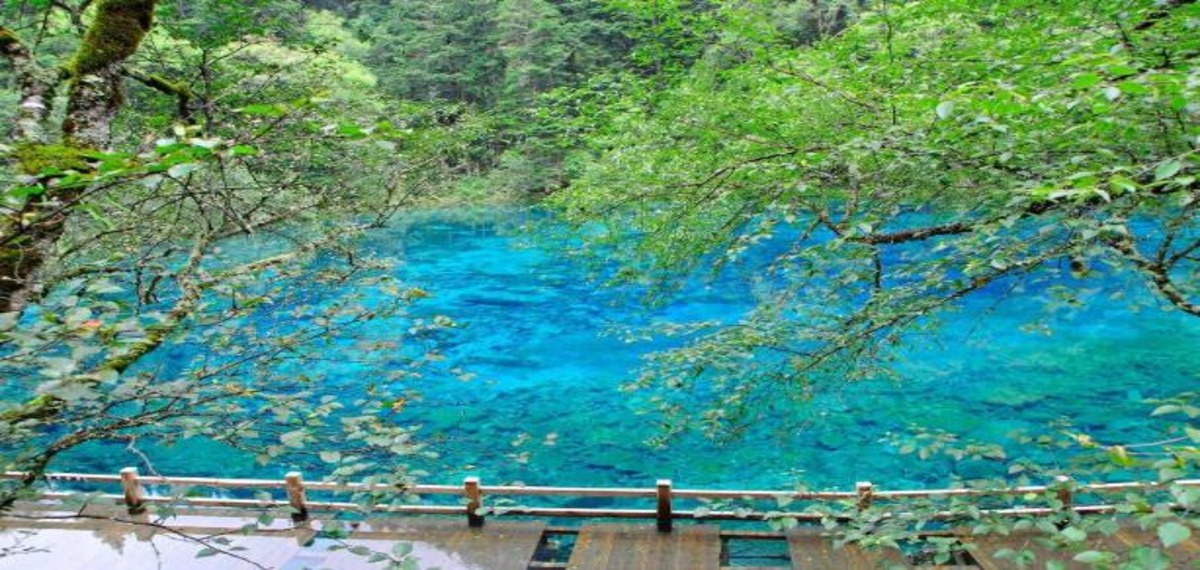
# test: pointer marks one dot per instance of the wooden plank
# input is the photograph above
(984, 549)
(811, 551)
(1183, 555)
(498, 545)
(87, 544)
(642, 547)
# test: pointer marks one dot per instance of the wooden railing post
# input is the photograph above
(474, 501)
(866, 494)
(663, 512)
(133, 490)
(1063, 482)
(294, 483)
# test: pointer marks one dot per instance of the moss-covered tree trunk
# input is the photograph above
(96, 92)
(94, 97)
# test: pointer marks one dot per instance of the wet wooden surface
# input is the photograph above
(985, 550)
(642, 547)
(53, 540)
(811, 551)
(50, 537)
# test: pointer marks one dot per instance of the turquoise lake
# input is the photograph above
(541, 403)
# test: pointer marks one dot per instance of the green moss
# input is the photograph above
(34, 159)
(115, 35)
(167, 86)
(42, 407)
(7, 39)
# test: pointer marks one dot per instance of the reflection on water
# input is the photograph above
(89, 544)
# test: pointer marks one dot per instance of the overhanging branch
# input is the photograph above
(1158, 274)
(917, 234)
(179, 90)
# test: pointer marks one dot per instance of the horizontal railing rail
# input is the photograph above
(472, 492)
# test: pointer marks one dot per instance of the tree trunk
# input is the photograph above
(36, 87)
(95, 95)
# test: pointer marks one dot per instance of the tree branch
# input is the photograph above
(48, 405)
(179, 90)
(915, 234)
(1158, 274)
(1161, 14)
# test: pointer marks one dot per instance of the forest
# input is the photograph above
(318, 234)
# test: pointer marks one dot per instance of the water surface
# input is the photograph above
(535, 397)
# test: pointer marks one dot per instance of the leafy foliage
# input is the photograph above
(933, 151)
(876, 162)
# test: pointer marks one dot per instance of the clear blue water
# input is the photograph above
(541, 404)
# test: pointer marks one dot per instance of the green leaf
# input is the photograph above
(1173, 533)
(1121, 70)
(1133, 88)
(1123, 183)
(57, 366)
(1167, 169)
(181, 170)
(206, 552)
(206, 143)
(1091, 557)
(1119, 455)
(104, 286)
(350, 130)
(1108, 526)
(9, 320)
(1073, 534)
(1167, 409)
(262, 110)
(1171, 474)
(26, 191)
(945, 109)
(1085, 80)
(1005, 554)
(294, 439)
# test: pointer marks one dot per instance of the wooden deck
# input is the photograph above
(54, 540)
(809, 549)
(643, 547)
(1183, 556)
(42, 536)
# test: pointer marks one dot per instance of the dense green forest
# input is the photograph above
(912, 154)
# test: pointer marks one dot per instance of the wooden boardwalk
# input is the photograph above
(54, 540)
(39, 536)
(808, 549)
(636, 546)
(1183, 556)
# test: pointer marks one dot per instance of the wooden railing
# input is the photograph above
(663, 494)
